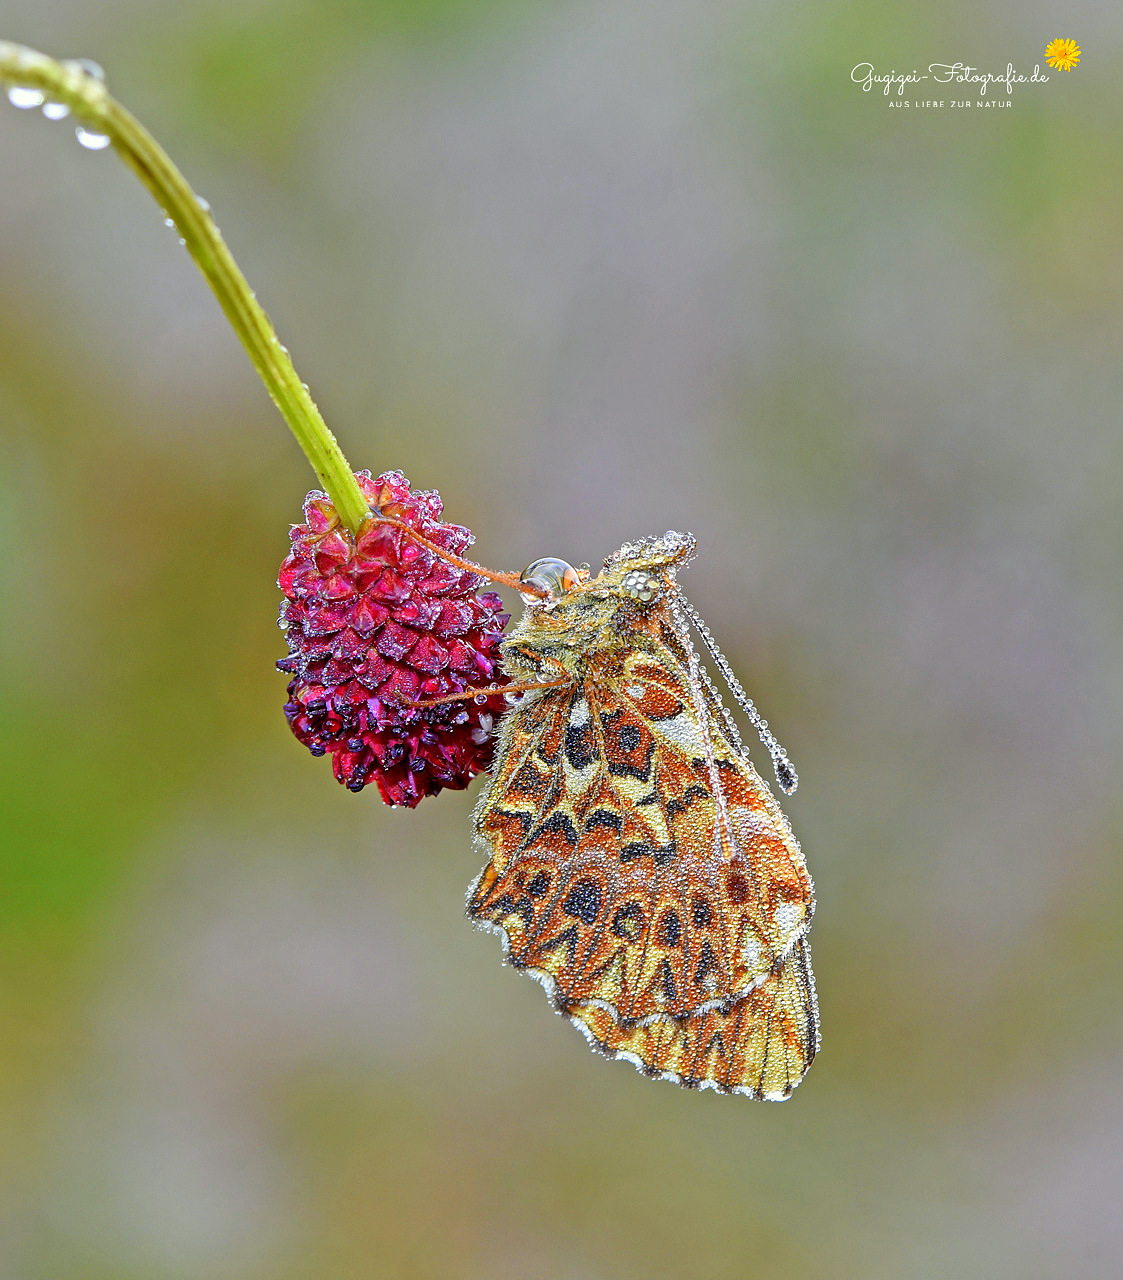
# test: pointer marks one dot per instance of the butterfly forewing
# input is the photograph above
(641, 870)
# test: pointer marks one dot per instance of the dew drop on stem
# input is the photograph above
(90, 140)
(88, 67)
(24, 98)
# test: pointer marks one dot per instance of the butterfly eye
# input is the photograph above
(641, 585)
(552, 575)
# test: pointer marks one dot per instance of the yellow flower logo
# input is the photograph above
(1062, 54)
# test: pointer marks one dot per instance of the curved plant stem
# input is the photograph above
(93, 108)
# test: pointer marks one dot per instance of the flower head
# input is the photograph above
(1062, 54)
(378, 622)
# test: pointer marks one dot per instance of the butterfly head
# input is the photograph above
(641, 571)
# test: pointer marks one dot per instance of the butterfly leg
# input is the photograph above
(464, 694)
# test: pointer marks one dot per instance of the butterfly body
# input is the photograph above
(638, 866)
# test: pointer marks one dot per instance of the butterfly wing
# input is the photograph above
(760, 1045)
(642, 871)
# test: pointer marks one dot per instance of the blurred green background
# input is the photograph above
(592, 269)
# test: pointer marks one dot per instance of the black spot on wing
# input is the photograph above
(661, 855)
(680, 804)
(583, 901)
(707, 964)
(514, 815)
(670, 929)
(667, 981)
(580, 746)
(528, 779)
(567, 939)
(627, 748)
(623, 769)
(507, 905)
(628, 921)
(604, 818)
(637, 849)
(560, 823)
(701, 912)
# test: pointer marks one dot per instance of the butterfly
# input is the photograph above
(637, 865)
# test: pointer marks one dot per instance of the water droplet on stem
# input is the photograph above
(24, 98)
(90, 140)
(87, 66)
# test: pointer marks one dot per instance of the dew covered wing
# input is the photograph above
(643, 872)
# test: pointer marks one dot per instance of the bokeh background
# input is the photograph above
(592, 269)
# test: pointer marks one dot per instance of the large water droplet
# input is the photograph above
(203, 203)
(23, 98)
(552, 575)
(56, 110)
(90, 140)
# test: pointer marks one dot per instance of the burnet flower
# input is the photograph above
(378, 622)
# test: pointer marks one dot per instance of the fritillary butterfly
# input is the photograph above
(638, 866)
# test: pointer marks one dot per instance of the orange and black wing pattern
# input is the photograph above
(641, 870)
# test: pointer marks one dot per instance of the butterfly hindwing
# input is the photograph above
(638, 891)
(761, 1045)
(637, 864)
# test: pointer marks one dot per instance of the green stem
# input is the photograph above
(93, 108)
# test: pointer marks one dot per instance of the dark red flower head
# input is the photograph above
(377, 621)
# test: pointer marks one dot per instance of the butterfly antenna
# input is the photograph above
(513, 580)
(786, 776)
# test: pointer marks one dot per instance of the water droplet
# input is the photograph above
(23, 98)
(169, 222)
(480, 699)
(183, 242)
(203, 203)
(90, 67)
(56, 110)
(555, 577)
(90, 140)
